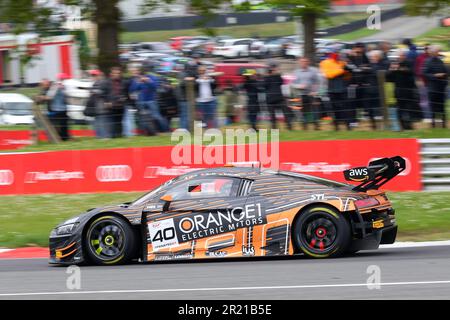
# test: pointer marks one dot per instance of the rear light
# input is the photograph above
(365, 203)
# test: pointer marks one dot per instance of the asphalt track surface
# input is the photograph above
(403, 27)
(406, 273)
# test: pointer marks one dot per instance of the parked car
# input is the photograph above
(197, 46)
(233, 48)
(176, 43)
(157, 47)
(15, 109)
(203, 50)
(275, 47)
(234, 71)
(144, 56)
(167, 64)
(258, 48)
(295, 49)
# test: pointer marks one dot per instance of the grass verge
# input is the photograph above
(440, 35)
(355, 35)
(28, 220)
(296, 135)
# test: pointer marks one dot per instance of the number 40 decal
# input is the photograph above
(164, 235)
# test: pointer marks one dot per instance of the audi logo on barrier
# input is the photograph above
(114, 173)
(6, 177)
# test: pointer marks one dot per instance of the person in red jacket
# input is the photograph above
(422, 81)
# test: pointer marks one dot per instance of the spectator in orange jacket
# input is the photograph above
(335, 70)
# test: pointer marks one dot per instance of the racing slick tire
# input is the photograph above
(109, 240)
(321, 232)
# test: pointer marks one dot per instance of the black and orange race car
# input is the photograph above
(237, 212)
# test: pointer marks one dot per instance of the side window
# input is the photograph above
(204, 188)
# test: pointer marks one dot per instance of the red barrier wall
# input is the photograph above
(141, 169)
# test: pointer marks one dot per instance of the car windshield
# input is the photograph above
(275, 41)
(224, 43)
(17, 108)
(146, 197)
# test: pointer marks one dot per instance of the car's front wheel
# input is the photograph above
(109, 240)
(321, 232)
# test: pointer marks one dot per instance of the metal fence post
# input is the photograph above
(381, 77)
(42, 121)
(190, 96)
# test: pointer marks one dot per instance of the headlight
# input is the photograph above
(64, 229)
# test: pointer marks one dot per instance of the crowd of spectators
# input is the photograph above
(344, 87)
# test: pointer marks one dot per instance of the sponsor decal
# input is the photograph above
(216, 254)
(17, 142)
(114, 173)
(248, 250)
(378, 224)
(320, 167)
(166, 257)
(60, 175)
(154, 207)
(171, 232)
(203, 225)
(359, 174)
(6, 177)
(152, 172)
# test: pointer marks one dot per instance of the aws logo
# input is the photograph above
(359, 174)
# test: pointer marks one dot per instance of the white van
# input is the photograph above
(16, 109)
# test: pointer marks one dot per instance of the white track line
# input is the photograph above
(411, 244)
(318, 286)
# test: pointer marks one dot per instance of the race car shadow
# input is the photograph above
(299, 257)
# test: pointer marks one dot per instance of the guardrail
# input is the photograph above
(435, 161)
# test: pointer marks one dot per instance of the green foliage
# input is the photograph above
(425, 7)
(204, 8)
(301, 7)
(23, 15)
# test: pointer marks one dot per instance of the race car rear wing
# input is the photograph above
(376, 174)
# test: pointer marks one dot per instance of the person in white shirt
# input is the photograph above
(206, 100)
(306, 85)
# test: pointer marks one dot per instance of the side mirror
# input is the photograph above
(167, 200)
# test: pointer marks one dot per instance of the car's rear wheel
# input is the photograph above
(109, 240)
(321, 232)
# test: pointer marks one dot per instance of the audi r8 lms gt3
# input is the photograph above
(236, 212)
